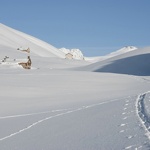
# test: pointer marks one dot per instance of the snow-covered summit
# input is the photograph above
(76, 53)
(113, 54)
(122, 51)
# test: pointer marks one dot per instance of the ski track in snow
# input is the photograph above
(126, 124)
(68, 111)
(33, 114)
(142, 113)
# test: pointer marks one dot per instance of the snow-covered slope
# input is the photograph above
(115, 53)
(69, 110)
(121, 51)
(12, 42)
(15, 39)
(135, 62)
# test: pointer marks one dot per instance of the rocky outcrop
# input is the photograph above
(26, 65)
(73, 53)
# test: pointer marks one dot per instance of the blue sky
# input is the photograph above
(96, 27)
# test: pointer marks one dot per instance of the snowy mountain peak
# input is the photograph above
(122, 50)
(113, 54)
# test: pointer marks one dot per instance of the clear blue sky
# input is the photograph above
(96, 27)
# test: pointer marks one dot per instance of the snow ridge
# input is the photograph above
(122, 51)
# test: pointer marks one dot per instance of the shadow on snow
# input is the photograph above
(136, 65)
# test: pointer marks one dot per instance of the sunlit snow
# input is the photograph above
(72, 104)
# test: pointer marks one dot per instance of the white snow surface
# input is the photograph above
(62, 104)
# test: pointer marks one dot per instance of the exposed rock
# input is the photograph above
(76, 53)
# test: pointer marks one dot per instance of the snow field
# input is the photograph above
(62, 104)
(123, 128)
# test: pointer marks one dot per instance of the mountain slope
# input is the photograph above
(113, 54)
(135, 62)
(15, 39)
